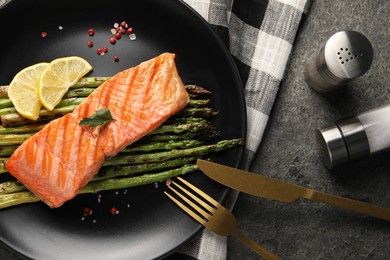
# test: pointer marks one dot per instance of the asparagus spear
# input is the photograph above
(196, 112)
(179, 120)
(123, 159)
(17, 139)
(143, 143)
(7, 150)
(127, 170)
(173, 144)
(2, 165)
(8, 135)
(202, 135)
(196, 90)
(6, 105)
(4, 91)
(70, 101)
(201, 150)
(78, 92)
(5, 102)
(13, 199)
(126, 182)
(22, 129)
(11, 187)
(180, 128)
(7, 110)
(12, 139)
(15, 119)
(198, 102)
(63, 103)
(89, 82)
(111, 172)
(85, 82)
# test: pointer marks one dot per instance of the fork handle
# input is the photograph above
(256, 247)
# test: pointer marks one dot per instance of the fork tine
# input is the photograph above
(186, 209)
(204, 195)
(189, 202)
(198, 200)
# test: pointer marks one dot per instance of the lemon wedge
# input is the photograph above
(23, 91)
(58, 76)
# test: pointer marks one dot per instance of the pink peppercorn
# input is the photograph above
(129, 30)
(114, 211)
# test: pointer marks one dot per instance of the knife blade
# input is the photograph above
(274, 189)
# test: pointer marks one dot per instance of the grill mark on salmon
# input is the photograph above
(58, 161)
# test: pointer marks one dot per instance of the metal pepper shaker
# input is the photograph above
(346, 55)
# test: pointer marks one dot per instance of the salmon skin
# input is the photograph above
(59, 160)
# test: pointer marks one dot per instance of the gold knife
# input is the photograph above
(274, 189)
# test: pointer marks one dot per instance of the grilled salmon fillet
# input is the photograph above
(59, 160)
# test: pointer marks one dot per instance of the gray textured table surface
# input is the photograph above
(309, 230)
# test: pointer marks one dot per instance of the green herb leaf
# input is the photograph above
(101, 117)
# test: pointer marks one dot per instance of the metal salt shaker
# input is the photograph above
(356, 137)
(346, 55)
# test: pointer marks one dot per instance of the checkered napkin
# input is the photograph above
(259, 34)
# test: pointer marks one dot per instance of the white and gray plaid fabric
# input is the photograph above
(259, 35)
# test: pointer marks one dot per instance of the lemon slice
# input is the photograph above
(58, 76)
(23, 91)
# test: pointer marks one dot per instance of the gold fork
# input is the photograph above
(215, 217)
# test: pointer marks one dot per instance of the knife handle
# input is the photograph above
(349, 204)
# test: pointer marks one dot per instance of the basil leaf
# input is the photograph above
(100, 118)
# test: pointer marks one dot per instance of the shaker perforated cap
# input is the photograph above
(348, 55)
